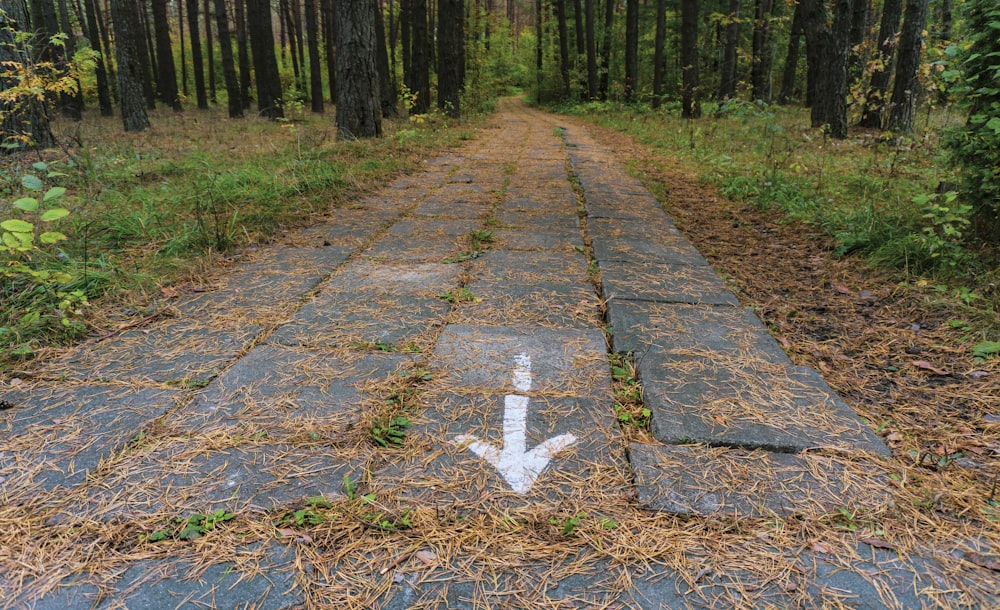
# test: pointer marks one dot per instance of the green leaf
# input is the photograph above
(54, 214)
(986, 349)
(32, 183)
(39, 166)
(51, 237)
(54, 193)
(28, 204)
(17, 226)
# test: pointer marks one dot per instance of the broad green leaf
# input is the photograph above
(40, 166)
(28, 204)
(54, 214)
(51, 237)
(54, 193)
(17, 226)
(32, 183)
(10, 241)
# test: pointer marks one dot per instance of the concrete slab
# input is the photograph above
(667, 250)
(482, 358)
(654, 228)
(347, 319)
(721, 400)
(283, 392)
(531, 267)
(415, 249)
(351, 230)
(414, 279)
(543, 304)
(662, 283)
(56, 435)
(566, 221)
(703, 481)
(466, 209)
(559, 240)
(432, 229)
(707, 330)
(564, 203)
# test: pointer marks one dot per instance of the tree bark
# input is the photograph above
(659, 62)
(760, 71)
(166, 83)
(234, 99)
(315, 68)
(592, 82)
(93, 33)
(25, 123)
(387, 93)
(690, 104)
(180, 35)
(859, 30)
(906, 86)
(631, 49)
(832, 46)
(359, 114)
(147, 56)
(128, 31)
(239, 12)
(609, 18)
(420, 58)
(265, 64)
(71, 103)
(196, 58)
(451, 52)
(792, 57)
(560, 7)
(329, 46)
(873, 111)
(210, 53)
(727, 81)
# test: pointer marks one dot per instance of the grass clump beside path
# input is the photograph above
(158, 208)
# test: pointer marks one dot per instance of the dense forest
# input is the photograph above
(909, 71)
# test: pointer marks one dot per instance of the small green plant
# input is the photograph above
(310, 515)
(387, 522)
(844, 520)
(390, 431)
(569, 524)
(479, 237)
(948, 221)
(461, 295)
(191, 528)
(461, 258)
(628, 393)
(986, 350)
(351, 491)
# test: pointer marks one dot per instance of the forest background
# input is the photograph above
(146, 143)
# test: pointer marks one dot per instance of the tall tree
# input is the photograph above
(71, 102)
(239, 13)
(329, 19)
(451, 53)
(760, 70)
(210, 52)
(128, 33)
(166, 83)
(788, 77)
(832, 46)
(690, 103)
(359, 114)
(180, 36)
(631, 49)
(859, 31)
(93, 33)
(609, 18)
(592, 84)
(420, 59)
(234, 99)
(315, 68)
(905, 87)
(24, 122)
(872, 110)
(196, 59)
(561, 22)
(659, 62)
(727, 78)
(387, 93)
(147, 57)
(265, 64)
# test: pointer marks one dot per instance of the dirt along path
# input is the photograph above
(413, 406)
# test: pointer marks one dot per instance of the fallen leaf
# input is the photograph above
(894, 437)
(878, 543)
(287, 532)
(843, 289)
(821, 547)
(16, 381)
(785, 343)
(983, 561)
(927, 366)
(719, 419)
(978, 374)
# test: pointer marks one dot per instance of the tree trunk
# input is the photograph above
(631, 49)
(405, 30)
(727, 81)
(106, 43)
(609, 18)
(147, 56)
(25, 121)
(906, 86)
(196, 59)
(387, 94)
(592, 82)
(265, 64)
(71, 103)
(760, 70)
(128, 31)
(180, 31)
(690, 104)
(103, 91)
(359, 114)
(239, 12)
(166, 83)
(859, 30)
(234, 101)
(792, 57)
(420, 59)
(539, 56)
(451, 51)
(946, 19)
(560, 7)
(873, 111)
(659, 62)
(315, 69)
(285, 15)
(832, 46)
(210, 53)
(329, 46)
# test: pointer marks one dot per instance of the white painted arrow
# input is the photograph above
(520, 468)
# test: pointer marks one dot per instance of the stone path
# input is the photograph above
(478, 301)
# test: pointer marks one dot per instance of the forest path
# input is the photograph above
(414, 405)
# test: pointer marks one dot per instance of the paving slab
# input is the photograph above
(544, 304)
(529, 267)
(560, 240)
(346, 228)
(432, 229)
(704, 481)
(55, 435)
(664, 283)
(653, 228)
(705, 330)
(414, 279)
(562, 201)
(416, 249)
(757, 404)
(667, 250)
(454, 208)
(566, 362)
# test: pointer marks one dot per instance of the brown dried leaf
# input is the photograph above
(425, 557)
(878, 543)
(983, 561)
(821, 547)
(927, 366)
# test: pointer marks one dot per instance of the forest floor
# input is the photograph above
(320, 425)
